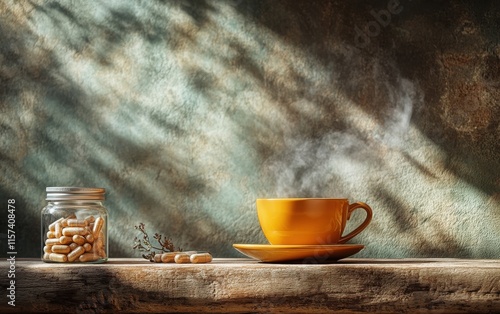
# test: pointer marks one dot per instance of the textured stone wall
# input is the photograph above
(187, 111)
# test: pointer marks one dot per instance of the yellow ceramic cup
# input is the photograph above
(308, 221)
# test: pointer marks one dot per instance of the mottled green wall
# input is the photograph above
(187, 111)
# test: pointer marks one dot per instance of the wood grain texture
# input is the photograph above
(243, 285)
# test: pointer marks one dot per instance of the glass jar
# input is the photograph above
(74, 226)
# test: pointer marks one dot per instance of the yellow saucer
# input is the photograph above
(307, 253)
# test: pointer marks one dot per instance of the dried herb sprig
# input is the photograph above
(145, 245)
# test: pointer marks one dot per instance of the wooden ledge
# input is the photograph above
(243, 285)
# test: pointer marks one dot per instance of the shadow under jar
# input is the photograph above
(74, 226)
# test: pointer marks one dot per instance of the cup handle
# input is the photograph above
(361, 227)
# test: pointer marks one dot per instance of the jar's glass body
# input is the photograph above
(74, 231)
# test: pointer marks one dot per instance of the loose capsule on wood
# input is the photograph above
(157, 258)
(182, 258)
(201, 258)
(168, 257)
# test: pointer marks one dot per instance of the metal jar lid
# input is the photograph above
(74, 193)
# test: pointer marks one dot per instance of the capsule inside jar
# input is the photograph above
(76, 242)
(74, 225)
